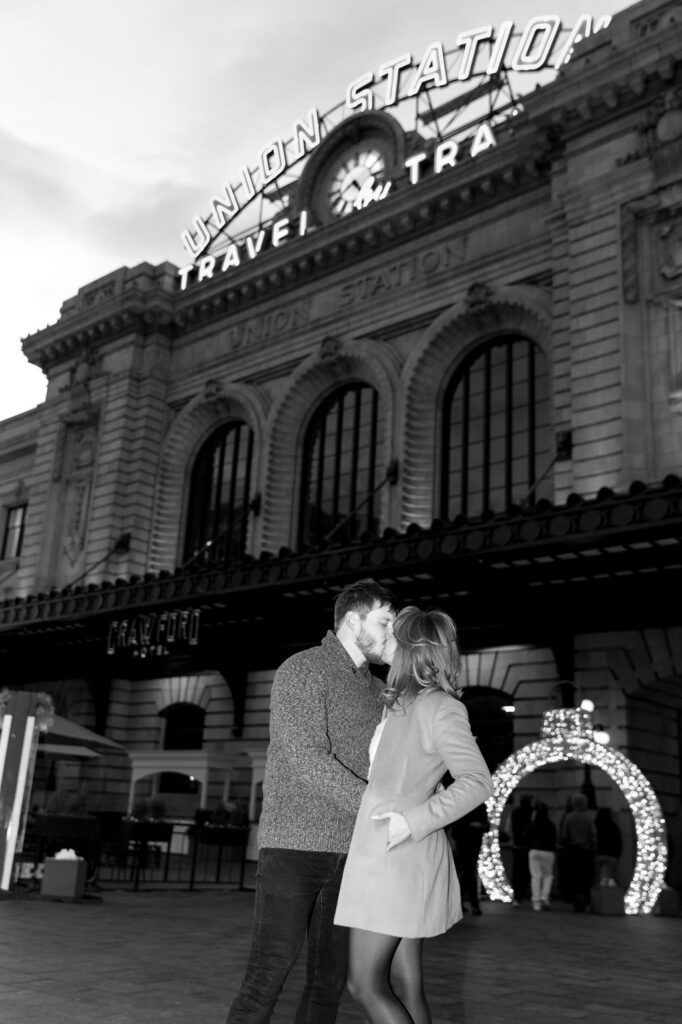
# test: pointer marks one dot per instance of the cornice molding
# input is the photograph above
(404, 217)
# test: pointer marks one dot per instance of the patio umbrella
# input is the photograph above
(67, 751)
(64, 732)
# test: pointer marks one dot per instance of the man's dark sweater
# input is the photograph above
(323, 713)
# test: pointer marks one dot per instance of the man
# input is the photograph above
(520, 820)
(578, 838)
(467, 833)
(325, 705)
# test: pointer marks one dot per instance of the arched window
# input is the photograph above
(492, 727)
(220, 493)
(184, 727)
(340, 467)
(184, 730)
(496, 437)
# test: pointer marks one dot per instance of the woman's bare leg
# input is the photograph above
(408, 976)
(369, 977)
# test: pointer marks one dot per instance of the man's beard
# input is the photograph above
(368, 646)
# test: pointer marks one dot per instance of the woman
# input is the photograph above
(399, 884)
(540, 838)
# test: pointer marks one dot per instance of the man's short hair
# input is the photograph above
(361, 597)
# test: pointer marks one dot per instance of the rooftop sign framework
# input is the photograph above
(425, 94)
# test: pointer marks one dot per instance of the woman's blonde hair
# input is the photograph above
(426, 657)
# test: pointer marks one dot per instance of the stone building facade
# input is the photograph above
(504, 340)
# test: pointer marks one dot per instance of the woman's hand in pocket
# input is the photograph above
(398, 829)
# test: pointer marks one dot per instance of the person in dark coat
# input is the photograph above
(467, 835)
(609, 846)
(520, 820)
(578, 839)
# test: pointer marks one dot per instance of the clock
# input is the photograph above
(360, 165)
(356, 166)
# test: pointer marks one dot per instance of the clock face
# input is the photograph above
(350, 173)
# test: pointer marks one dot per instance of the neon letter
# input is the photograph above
(253, 248)
(272, 160)
(205, 268)
(546, 27)
(231, 257)
(431, 69)
(359, 94)
(183, 274)
(412, 164)
(483, 139)
(581, 30)
(249, 186)
(226, 208)
(280, 230)
(195, 246)
(307, 135)
(497, 56)
(445, 155)
(470, 40)
(391, 72)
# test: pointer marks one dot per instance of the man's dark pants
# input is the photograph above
(296, 894)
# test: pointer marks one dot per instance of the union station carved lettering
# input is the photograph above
(402, 273)
(262, 328)
(154, 635)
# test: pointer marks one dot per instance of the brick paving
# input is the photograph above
(174, 956)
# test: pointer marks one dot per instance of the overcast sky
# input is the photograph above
(121, 118)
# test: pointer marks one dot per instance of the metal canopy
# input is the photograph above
(607, 562)
(64, 734)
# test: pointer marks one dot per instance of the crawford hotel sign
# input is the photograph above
(455, 102)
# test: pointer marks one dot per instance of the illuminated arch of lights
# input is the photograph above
(567, 735)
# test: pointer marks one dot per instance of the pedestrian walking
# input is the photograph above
(578, 839)
(520, 820)
(540, 838)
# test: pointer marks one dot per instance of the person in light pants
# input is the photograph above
(541, 840)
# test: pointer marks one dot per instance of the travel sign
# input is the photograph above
(429, 90)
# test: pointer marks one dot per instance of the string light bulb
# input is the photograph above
(567, 734)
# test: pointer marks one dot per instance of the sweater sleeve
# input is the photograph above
(472, 785)
(298, 726)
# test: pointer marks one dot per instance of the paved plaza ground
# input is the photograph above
(171, 956)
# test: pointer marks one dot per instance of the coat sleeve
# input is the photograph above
(298, 726)
(454, 742)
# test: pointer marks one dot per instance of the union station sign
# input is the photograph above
(490, 58)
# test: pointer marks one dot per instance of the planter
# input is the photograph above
(607, 899)
(65, 878)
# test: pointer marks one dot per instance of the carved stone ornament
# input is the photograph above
(675, 350)
(330, 348)
(76, 443)
(80, 378)
(213, 390)
(77, 503)
(670, 250)
(662, 125)
(631, 216)
(479, 298)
